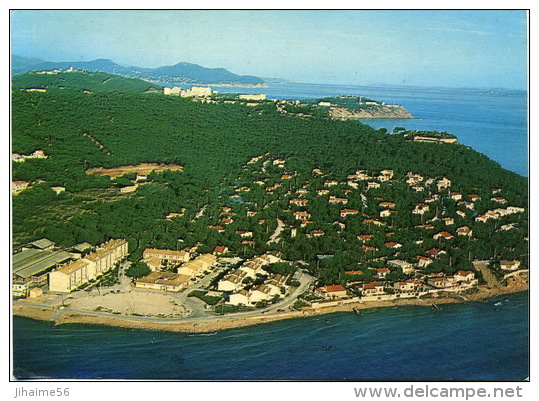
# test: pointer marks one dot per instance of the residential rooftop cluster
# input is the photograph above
(173, 270)
(368, 233)
(239, 281)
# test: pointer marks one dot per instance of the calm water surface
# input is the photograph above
(471, 341)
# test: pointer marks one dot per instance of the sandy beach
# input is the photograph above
(207, 324)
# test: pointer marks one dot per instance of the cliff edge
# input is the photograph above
(378, 111)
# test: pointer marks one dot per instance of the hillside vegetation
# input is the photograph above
(82, 81)
(214, 142)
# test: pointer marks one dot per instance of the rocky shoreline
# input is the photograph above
(381, 111)
(213, 324)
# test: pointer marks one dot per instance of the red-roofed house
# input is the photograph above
(330, 183)
(331, 291)
(423, 261)
(482, 219)
(448, 221)
(17, 186)
(364, 237)
(408, 286)
(354, 272)
(220, 249)
(464, 275)
(348, 212)
(299, 201)
(464, 231)
(444, 235)
(373, 288)
(499, 199)
(372, 221)
(434, 252)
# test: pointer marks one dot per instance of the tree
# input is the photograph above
(123, 182)
(137, 269)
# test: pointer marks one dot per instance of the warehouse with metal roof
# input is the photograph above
(31, 265)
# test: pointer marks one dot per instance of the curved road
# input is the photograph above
(194, 306)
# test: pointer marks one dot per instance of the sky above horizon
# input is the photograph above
(451, 48)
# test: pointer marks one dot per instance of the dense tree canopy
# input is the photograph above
(213, 142)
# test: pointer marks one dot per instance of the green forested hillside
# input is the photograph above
(213, 142)
(82, 81)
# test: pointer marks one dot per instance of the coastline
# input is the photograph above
(379, 111)
(236, 321)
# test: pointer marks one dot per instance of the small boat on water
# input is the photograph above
(357, 312)
(436, 308)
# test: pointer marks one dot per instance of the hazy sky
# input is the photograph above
(432, 48)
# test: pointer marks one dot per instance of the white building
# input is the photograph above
(261, 293)
(18, 186)
(173, 91)
(197, 266)
(239, 298)
(232, 281)
(196, 91)
(58, 190)
(252, 97)
(71, 275)
(406, 267)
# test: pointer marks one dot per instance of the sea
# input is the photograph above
(470, 341)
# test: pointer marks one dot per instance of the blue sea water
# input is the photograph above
(493, 122)
(471, 341)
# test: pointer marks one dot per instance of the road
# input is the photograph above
(277, 232)
(196, 307)
(490, 278)
(199, 213)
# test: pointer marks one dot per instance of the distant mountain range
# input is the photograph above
(181, 73)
